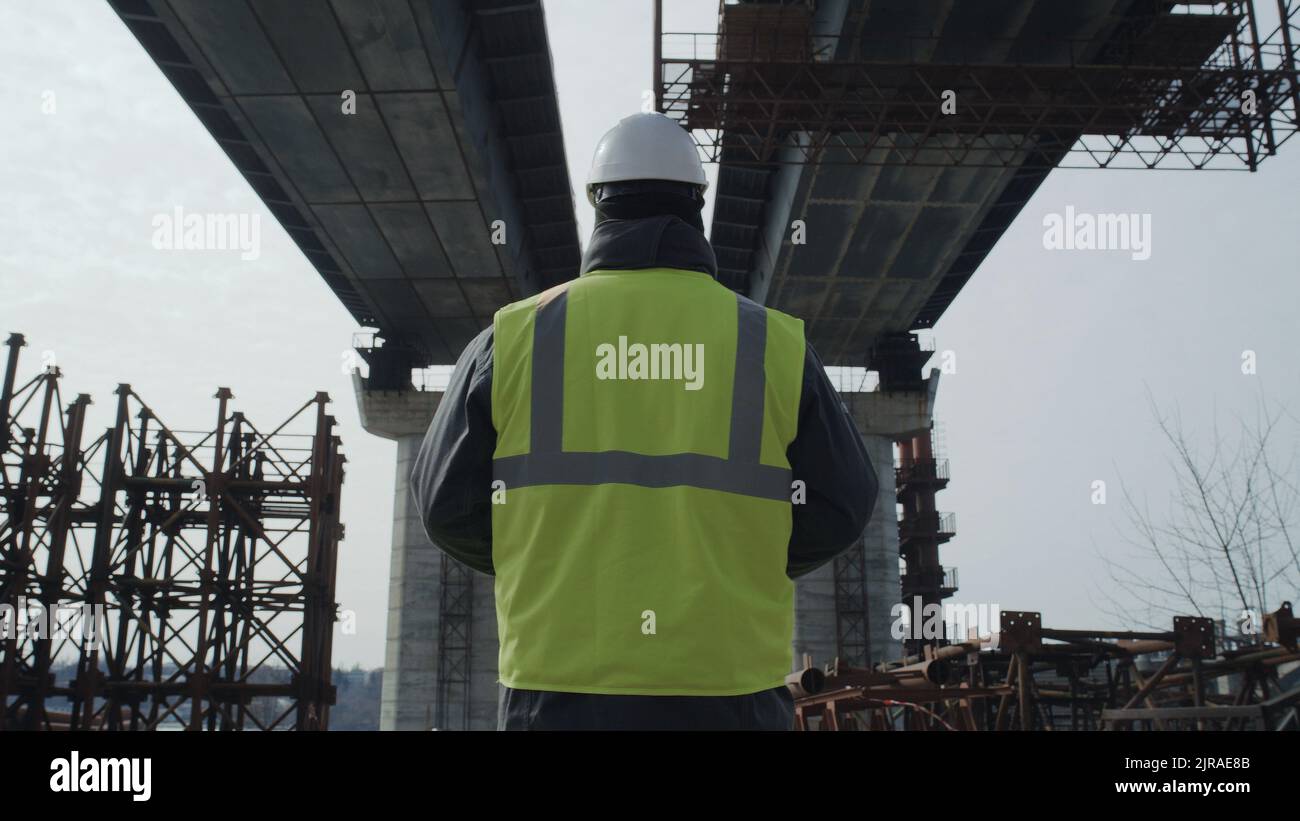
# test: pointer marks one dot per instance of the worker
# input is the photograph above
(644, 460)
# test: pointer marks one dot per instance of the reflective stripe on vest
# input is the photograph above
(547, 463)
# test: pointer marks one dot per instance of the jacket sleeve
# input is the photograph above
(451, 477)
(828, 455)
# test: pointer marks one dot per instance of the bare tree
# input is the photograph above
(1225, 544)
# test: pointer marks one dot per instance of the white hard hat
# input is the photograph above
(647, 146)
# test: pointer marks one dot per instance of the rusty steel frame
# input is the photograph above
(922, 529)
(1142, 104)
(1036, 678)
(39, 485)
(210, 557)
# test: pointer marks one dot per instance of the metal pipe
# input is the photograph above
(934, 671)
(806, 682)
(656, 74)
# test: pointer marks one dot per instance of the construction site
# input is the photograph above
(913, 132)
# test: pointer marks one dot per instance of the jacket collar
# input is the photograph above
(650, 242)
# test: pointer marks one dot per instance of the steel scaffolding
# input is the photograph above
(852, 633)
(1174, 86)
(455, 623)
(201, 564)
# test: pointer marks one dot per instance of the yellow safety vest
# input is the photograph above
(643, 509)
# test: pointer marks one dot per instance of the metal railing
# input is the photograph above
(944, 579)
(919, 470)
(852, 379)
(929, 523)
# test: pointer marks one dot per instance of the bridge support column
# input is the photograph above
(845, 609)
(428, 682)
(842, 609)
(880, 555)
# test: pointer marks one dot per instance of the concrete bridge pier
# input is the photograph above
(845, 608)
(429, 682)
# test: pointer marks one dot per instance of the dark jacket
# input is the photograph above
(452, 477)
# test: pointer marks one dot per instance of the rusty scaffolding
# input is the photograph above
(1029, 677)
(200, 566)
(1172, 85)
(918, 477)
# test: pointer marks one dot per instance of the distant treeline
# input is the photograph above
(356, 706)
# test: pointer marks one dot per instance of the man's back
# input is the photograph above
(644, 537)
(643, 418)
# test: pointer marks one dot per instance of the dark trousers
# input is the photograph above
(545, 710)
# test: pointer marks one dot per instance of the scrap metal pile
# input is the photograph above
(1029, 677)
(154, 578)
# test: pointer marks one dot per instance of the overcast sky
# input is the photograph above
(1054, 350)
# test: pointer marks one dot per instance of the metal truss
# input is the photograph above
(852, 638)
(1185, 91)
(455, 620)
(202, 565)
(39, 488)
